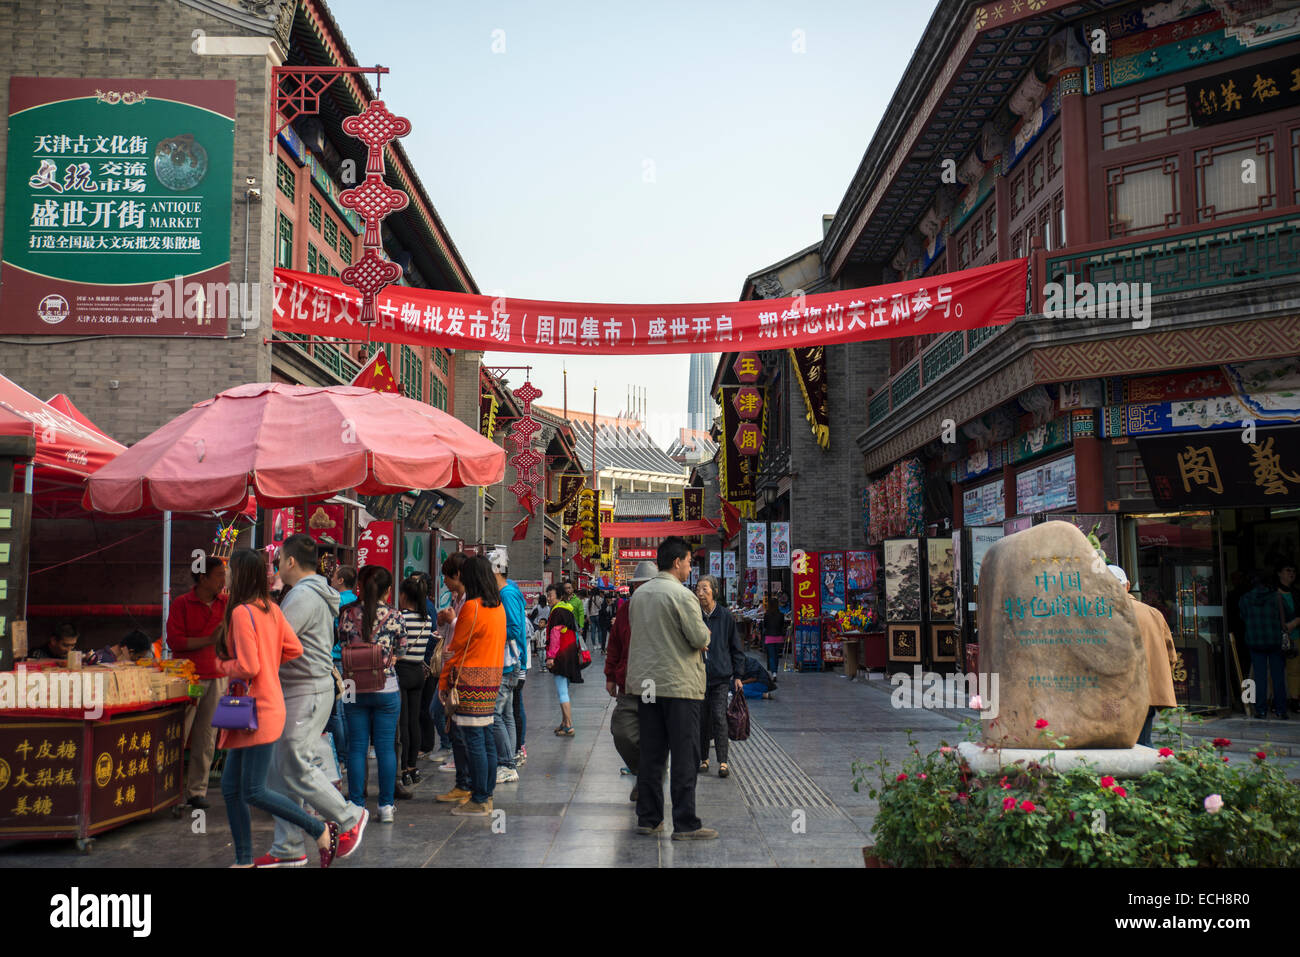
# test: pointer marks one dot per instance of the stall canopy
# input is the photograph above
(291, 443)
(68, 447)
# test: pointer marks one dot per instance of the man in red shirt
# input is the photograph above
(195, 623)
(623, 724)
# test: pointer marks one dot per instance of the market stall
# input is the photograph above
(98, 747)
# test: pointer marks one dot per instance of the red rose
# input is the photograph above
(1107, 781)
(963, 797)
(1040, 723)
(1027, 807)
(1261, 755)
(1008, 803)
(1166, 752)
(1225, 759)
(1005, 785)
(1120, 791)
(1221, 742)
(901, 777)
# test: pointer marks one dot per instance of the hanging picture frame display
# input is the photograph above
(944, 640)
(942, 593)
(902, 579)
(904, 642)
(832, 582)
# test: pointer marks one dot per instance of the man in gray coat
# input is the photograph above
(666, 668)
(308, 684)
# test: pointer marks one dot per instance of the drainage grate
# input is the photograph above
(769, 778)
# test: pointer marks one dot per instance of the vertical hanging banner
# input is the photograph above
(807, 593)
(715, 564)
(780, 545)
(375, 546)
(810, 372)
(117, 208)
(607, 544)
(694, 510)
(729, 565)
(756, 545)
(737, 469)
(676, 509)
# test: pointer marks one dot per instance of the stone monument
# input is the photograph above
(1062, 635)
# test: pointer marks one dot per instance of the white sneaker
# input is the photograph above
(386, 814)
(442, 754)
(449, 766)
(506, 775)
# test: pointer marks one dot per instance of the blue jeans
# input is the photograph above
(480, 743)
(562, 688)
(503, 723)
(373, 717)
(521, 723)
(243, 782)
(773, 657)
(1145, 737)
(337, 726)
(1264, 664)
(438, 711)
(461, 756)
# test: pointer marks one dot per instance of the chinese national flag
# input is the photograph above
(521, 529)
(377, 374)
(575, 533)
(730, 520)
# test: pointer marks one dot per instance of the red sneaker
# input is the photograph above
(350, 840)
(267, 860)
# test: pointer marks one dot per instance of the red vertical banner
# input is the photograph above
(807, 593)
(375, 546)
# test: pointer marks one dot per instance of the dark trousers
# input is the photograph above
(1145, 737)
(773, 658)
(668, 726)
(713, 720)
(520, 723)
(1263, 665)
(428, 729)
(410, 685)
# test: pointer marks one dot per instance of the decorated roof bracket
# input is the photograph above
(296, 91)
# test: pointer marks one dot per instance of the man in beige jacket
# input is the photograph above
(665, 667)
(1161, 656)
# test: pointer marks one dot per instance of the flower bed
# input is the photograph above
(1193, 810)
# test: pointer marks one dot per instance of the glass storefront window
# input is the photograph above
(1178, 574)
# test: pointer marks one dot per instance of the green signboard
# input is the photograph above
(114, 188)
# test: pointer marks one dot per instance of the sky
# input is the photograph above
(632, 152)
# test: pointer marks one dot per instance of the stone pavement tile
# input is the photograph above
(609, 849)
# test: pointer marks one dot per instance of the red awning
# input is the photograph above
(656, 529)
(62, 442)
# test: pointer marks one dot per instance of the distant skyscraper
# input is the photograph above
(699, 405)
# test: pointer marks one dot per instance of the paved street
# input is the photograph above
(571, 808)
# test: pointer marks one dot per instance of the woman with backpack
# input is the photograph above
(256, 641)
(414, 604)
(563, 660)
(471, 680)
(373, 716)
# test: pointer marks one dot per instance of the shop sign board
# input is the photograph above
(1046, 487)
(115, 187)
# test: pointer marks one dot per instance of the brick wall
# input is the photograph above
(157, 378)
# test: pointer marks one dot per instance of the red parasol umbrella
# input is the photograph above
(290, 443)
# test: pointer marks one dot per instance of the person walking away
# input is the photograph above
(773, 633)
(254, 644)
(623, 723)
(472, 669)
(563, 660)
(429, 690)
(457, 760)
(1160, 656)
(724, 664)
(307, 683)
(195, 623)
(606, 620)
(1288, 599)
(504, 732)
(1265, 627)
(670, 635)
(373, 715)
(411, 673)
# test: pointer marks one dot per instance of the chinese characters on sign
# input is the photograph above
(1219, 468)
(109, 197)
(1247, 92)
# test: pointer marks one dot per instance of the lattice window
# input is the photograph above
(991, 226)
(311, 258)
(284, 250)
(1142, 196)
(1295, 164)
(437, 393)
(284, 177)
(330, 232)
(1019, 197)
(440, 359)
(1149, 116)
(345, 246)
(313, 212)
(412, 374)
(1130, 475)
(1037, 175)
(1234, 178)
(1055, 155)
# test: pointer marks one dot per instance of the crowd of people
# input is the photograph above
(392, 678)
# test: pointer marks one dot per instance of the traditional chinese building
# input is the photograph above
(1145, 157)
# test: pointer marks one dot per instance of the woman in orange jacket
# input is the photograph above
(257, 641)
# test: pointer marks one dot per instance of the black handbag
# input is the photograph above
(738, 717)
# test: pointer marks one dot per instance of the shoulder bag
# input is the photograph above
(1289, 649)
(364, 664)
(238, 712)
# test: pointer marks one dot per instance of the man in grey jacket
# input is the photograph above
(308, 684)
(666, 668)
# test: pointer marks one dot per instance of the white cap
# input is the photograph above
(645, 571)
(1120, 574)
(499, 558)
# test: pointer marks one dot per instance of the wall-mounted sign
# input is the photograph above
(984, 504)
(1045, 487)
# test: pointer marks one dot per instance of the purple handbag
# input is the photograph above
(237, 712)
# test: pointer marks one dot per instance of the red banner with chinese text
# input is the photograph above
(807, 593)
(990, 295)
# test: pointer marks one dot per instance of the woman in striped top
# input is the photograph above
(411, 672)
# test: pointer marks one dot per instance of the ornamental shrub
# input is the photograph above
(934, 812)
